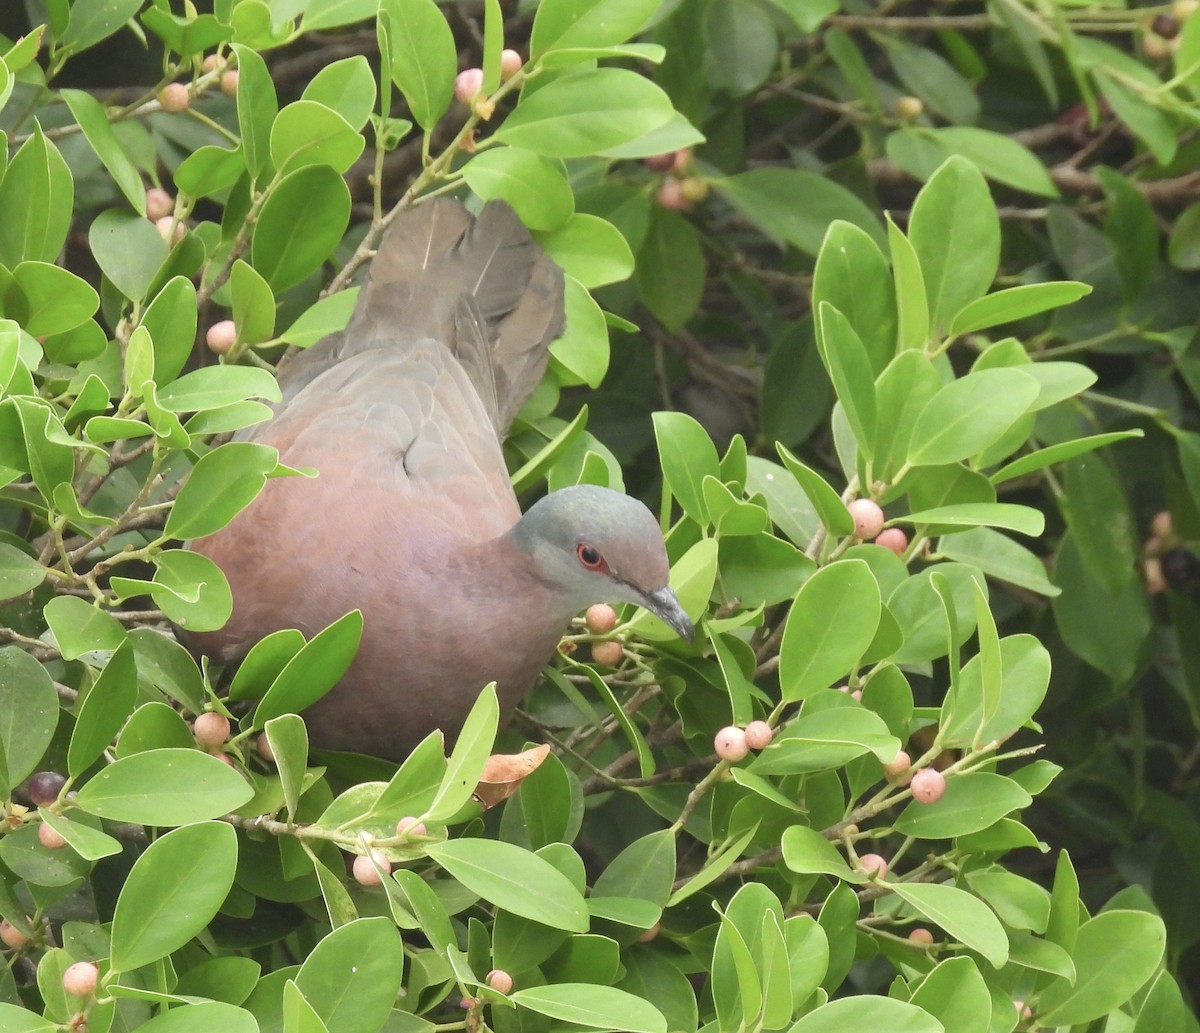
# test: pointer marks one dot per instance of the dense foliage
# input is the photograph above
(937, 257)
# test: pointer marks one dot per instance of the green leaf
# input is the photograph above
(912, 302)
(20, 573)
(956, 995)
(170, 320)
(767, 197)
(1115, 953)
(91, 21)
(471, 750)
(89, 843)
(353, 975)
(56, 300)
(165, 787)
(806, 851)
(502, 874)
(1025, 666)
(424, 58)
(535, 187)
(308, 133)
(28, 713)
(93, 120)
(216, 386)
(827, 739)
(104, 710)
(852, 275)
(253, 314)
(955, 232)
(1052, 454)
(586, 1004)
(580, 354)
(584, 112)
(37, 197)
(849, 368)
(568, 24)
(998, 157)
(970, 413)
(1015, 303)
(190, 589)
(298, 1015)
(827, 502)
(1022, 519)
(257, 106)
(221, 485)
(348, 87)
(128, 249)
(312, 671)
(172, 892)
(971, 803)
(830, 626)
(670, 269)
(209, 170)
(1108, 547)
(963, 916)
(202, 1017)
(1150, 124)
(688, 456)
(288, 739)
(934, 80)
(865, 1011)
(301, 223)
(327, 316)
(79, 627)
(590, 249)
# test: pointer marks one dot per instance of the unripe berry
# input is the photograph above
(174, 98)
(211, 729)
(1161, 523)
(896, 770)
(600, 619)
(660, 162)
(868, 518)
(670, 196)
(221, 336)
(730, 743)
(1166, 25)
(409, 826)
(609, 654)
(80, 979)
(510, 64)
(909, 108)
(49, 838)
(873, 864)
(856, 695)
(921, 935)
(158, 203)
(366, 873)
(11, 936)
(893, 539)
(229, 83)
(694, 189)
(500, 981)
(44, 787)
(263, 745)
(170, 230)
(467, 85)
(212, 63)
(1024, 1012)
(759, 735)
(927, 785)
(1155, 47)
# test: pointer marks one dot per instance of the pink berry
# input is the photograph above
(170, 230)
(660, 162)
(468, 84)
(211, 729)
(651, 933)
(670, 196)
(49, 838)
(11, 936)
(229, 83)
(927, 785)
(174, 98)
(366, 873)
(44, 787)
(856, 695)
(874, 865)
(730, 743)
(600, 619)
(759, 735)
(609, 654)
(80, 979)
(682, 159)
(892, 539)
(921, 935)
(158, 203)
(510, 64)
(896, 770)
(868, 518)
(263, 745)
(1024, 1012)
(499, 980)
(212, 63)
(409, 826)
(221, 336)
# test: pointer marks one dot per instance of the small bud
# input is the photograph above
(510, 64)
(893, 539)
(896, 770)
(467, 85)
(221, 336)
(670, 196)
(500, 981)
(600, 619)
(170, 230)
(229, 83)
(909, 108)
(368, 874)
(921, 935)
(730, 743)
(11, 936)
(927, 785)
(49, 838)
(759, 735)
(610, 654)
(158, 204)
(868, 518)
(174, 98)
(81, 979)
(211, 729)
(409, 826)
(873, 865)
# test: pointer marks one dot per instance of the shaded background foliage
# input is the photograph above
(1083, 119)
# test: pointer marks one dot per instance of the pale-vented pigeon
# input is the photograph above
(413, 519)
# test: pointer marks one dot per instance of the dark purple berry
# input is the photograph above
(1179, 567)
(44, 787)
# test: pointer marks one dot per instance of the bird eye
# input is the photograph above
(590, 556)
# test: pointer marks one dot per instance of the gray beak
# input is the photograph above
(665, 606)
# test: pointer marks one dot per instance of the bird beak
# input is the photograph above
(664, 604)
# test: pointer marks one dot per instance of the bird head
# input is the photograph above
(596, 545)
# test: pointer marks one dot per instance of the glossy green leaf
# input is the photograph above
(423, 57)
(970, 413)
(28, 713)
(348, 87)
(352, 976)
(867, 1012)
(849, 368)
(300, 224)
(1013, 303)
(327, 316)
(688, 456)
(956, 995)
(827, 739)
(580, 354)
(971, 802)
(587, 23)
(257, 106)
(590, 249)
(55, 300)
(93, 120)
(1023, 519)
(670, 269)
(37, 196)
(308, 133)
(586, 1004)
(852, 275)
(104, 710)
(535, 187)
(315, 669)
(19, 572)
(128, 249)
(963, 916)
(221, 485)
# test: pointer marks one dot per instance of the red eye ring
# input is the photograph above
(589, 556)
